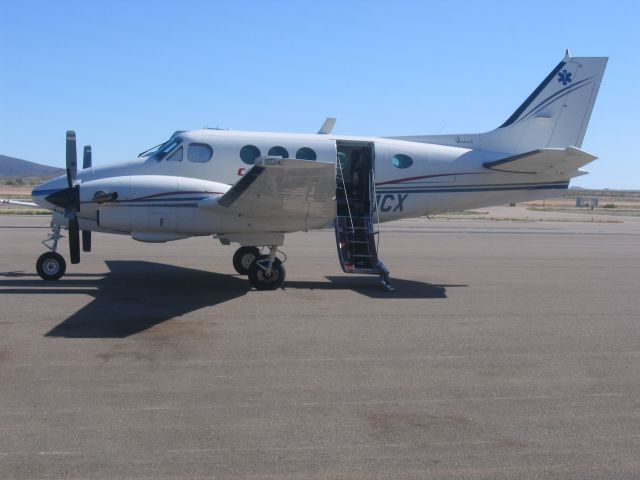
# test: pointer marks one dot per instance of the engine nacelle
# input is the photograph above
(150, 204)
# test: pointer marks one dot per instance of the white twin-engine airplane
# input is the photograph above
(252, 188)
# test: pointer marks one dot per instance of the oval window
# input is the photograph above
(249, 153)
(199, 152)
(306, 153)
(402, 161)
(278, 152)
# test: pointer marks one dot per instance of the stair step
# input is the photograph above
(357, 250)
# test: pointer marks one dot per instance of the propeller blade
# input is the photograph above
(86, 240)
(86, 157)
(74, 240)
(72, 158)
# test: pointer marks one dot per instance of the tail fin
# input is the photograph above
(555, 115)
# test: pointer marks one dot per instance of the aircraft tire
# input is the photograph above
(243, 258)
(260, 280)
(51, 266)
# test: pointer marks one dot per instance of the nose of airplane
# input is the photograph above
(52, 187)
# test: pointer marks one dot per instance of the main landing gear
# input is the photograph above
(243, 258)
(50, 265)
(266, 272)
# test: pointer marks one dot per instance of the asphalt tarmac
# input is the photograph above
(509, 350)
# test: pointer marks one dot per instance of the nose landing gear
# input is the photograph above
(51, 265)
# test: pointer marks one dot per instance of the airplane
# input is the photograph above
(252, 188)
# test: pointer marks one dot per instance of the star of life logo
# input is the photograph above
(564, 77)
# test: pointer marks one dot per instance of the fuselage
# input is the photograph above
(160, 194)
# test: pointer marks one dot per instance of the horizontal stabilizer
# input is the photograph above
(544, 161)
(283, 189)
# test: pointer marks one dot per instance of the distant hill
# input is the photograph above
(14, 167)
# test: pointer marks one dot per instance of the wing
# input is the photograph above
(300, 192)
(21, 203)
(545, 161)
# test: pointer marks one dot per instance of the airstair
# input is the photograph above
(356, 230)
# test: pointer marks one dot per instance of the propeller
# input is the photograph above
(69, 198)
(72, 158)
(74, 239)
(86, 234)
(73, 205)
(86, 240)
(86, 157)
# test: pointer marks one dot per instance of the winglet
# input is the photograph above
(327, 126)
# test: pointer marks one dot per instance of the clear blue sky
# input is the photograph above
(126, 74)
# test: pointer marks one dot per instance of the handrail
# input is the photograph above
(372, 188)
(344, 189)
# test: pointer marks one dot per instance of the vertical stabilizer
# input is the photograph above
(555, 115)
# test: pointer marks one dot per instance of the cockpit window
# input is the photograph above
(199, 153)
(166, 149)
(176, 156)
(150, 151)
(162, 149)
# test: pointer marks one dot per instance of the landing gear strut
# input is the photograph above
(50, 265)
(267, 272)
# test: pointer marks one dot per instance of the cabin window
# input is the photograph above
(175, 156)
(278, 152)
(199, 153)
(306, 153)
(402, 161)
(249, 153)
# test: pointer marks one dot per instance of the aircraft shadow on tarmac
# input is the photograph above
(136, 295)
(368, 285)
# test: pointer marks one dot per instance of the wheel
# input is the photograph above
(243, 258)
(51, 266)
(258, 277)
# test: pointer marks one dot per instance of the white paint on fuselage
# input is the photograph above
(441, 178)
